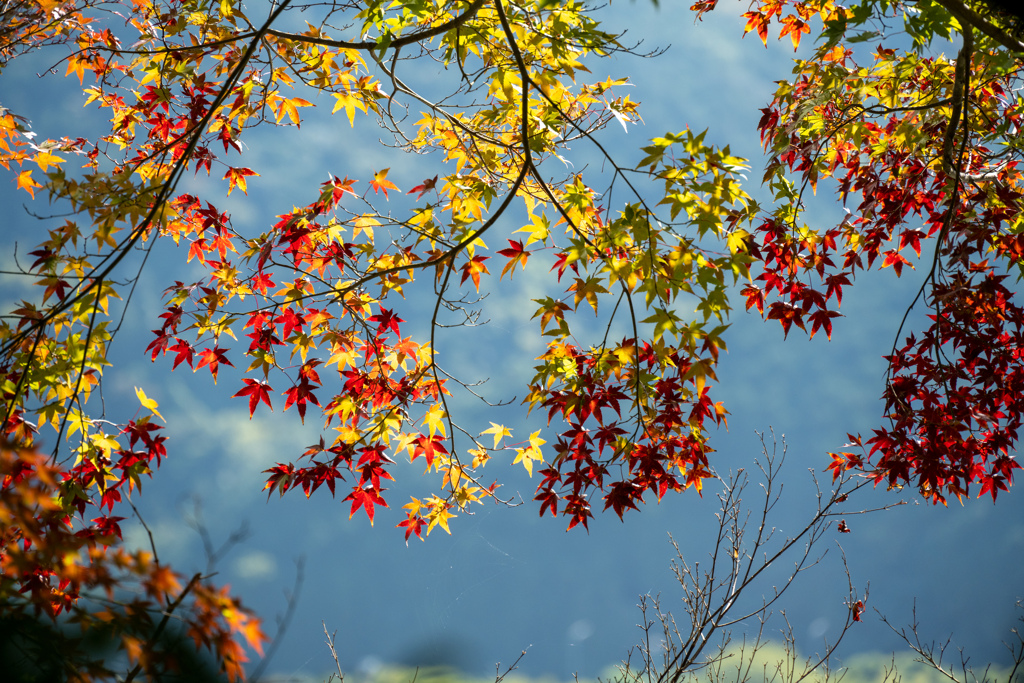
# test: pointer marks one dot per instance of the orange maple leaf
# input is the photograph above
(236, 176)
(473, 268)
(26, 182)
(381, 183)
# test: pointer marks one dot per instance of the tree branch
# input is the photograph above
(968, 16)
(397, 43)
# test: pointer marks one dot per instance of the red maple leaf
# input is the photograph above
(256, 391)
(184, 351)
(213, 358)
(158, 345)
(299, 395)
(515, 254)
(386, 320)
(423, 188)
(291, 322)
(413, 525)
(366, 499)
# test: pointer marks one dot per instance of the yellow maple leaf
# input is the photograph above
(413, 507)
(528, 455)
(434, 419)
(499, 432)
(106, 444)
(349, 102)
(403, 441)
(439, 515)
(736, 240)
(148, 403)
(45, 160)
(480, 456)
(364, 223)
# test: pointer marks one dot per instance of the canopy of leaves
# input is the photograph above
(921, 148)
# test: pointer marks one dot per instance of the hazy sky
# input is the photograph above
(505, 580)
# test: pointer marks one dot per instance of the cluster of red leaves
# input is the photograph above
(669, 453)
(782, 258)
(370, 468)
(49, 566)
(379, 374)
(953, 396)
(795, 22)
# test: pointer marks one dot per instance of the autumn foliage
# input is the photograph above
(79, 572)
(919, 147)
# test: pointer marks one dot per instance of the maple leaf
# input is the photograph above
(212, 358)
(515, 253)
(588, 290)
(842, 462)
(435, 419)
(346, 100)
(256, 391)
(423, 188)
(26, 182)
(55, 285)
(148, 403)
(298, 395)
(578, 511)
(413, 524)
(896, 260)
(291, 320)
(336, 189)
(439, 514)
(380, 182)
(184, 352)
(44, 160)
(499, 432)
(913, 238)
(823, 319)
(622, 496)
(793, 27)
(835, 284)
(365, 498)
(757, 21)
(290, 107)
(531, 454)
(77, 65)
(787, 314)
(386, 320)
(315, 318)
(429, 448)
(281, 477)
(549, 501)
(663, 320)
(236, 178)
(472, 269)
